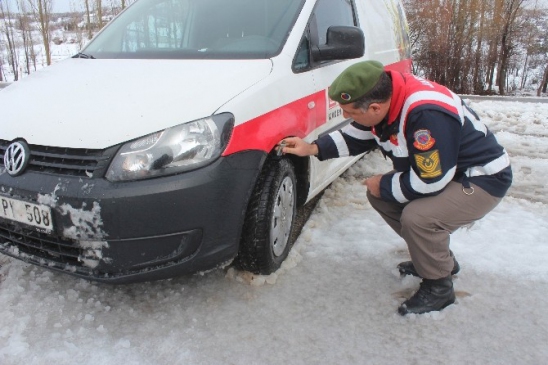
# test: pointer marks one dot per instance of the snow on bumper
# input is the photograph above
(134, 231)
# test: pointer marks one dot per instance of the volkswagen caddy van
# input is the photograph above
(152, 152)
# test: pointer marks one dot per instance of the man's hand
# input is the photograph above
(374, 185)
(297, 146)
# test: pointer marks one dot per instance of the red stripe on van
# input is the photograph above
(298, 118)
(294, 119)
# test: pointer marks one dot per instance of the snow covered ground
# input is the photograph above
(333, 302)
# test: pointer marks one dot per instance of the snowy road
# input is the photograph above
(333, 302)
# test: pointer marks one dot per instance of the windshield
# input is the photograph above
(197, 29)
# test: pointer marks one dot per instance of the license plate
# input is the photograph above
(36, 215)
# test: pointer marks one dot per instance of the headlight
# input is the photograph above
(184, 147)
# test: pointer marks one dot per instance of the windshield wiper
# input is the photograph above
(82, 55)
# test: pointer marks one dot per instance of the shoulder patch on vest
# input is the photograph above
(429, 164)
(423, 140)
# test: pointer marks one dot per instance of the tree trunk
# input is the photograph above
(544, 84)
(88, 20)
(524, 79)
(100, 13)
(42, 11)
(477, 79)
(507, 41)
(44, 28)
(26, 34)
(13, 59)
(503, 60)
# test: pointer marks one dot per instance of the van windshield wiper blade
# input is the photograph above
(82, 55)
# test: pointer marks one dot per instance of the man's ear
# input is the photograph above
(376, 107)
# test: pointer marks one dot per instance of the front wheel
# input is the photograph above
(267, 232)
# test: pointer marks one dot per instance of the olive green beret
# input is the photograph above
(356, 81)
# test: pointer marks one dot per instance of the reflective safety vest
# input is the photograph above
(432, 138)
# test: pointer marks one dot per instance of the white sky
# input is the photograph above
(70, 5)
(78, 5)
(333, 302)
(62, 6)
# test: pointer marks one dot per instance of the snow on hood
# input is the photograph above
(92, 103)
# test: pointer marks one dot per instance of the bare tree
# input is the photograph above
(445, 32)
(99, 5)
(116, 6)
(75, 26)
(1, 62)
(544, 83)
(429, 38)
(470, 45)
(463, 30)
(88, 19)
(477, 73)
(41, 10)
(8, 30)
(511, 9)
(543, 50)
(532, 33)
(26, 34)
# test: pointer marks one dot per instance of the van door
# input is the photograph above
(326, 13)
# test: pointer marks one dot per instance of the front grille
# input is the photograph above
(39, 245)
(64, 161)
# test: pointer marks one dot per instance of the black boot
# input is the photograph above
(407, 268)
(433, 295)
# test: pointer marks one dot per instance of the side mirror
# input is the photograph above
(343, 43)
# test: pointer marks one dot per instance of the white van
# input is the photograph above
(152, 153)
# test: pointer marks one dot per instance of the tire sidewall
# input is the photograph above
(284, 169)
(256, 251)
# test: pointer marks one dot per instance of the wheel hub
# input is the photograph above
(282, 217)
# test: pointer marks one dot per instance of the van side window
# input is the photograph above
(327, 13)
(302, 59)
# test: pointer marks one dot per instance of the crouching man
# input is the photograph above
(449, 169)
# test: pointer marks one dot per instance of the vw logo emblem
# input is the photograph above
(16, 158)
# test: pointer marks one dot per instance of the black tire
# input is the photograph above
(270, 219)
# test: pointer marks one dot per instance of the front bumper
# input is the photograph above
(134, 231)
